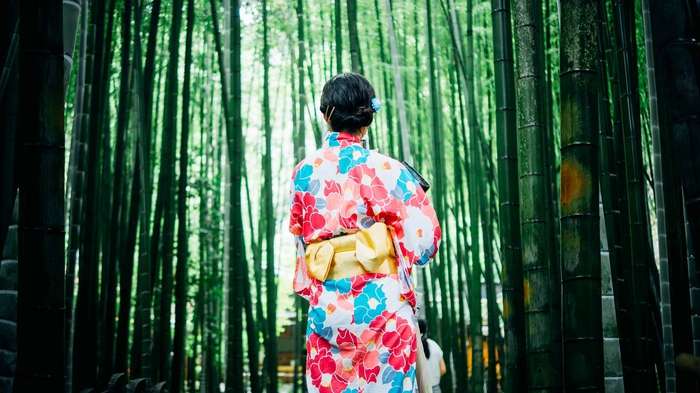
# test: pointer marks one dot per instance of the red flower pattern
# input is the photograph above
(371, 187)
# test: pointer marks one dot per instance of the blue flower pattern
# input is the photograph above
(332, 139)
(370, 303)
(351, 156)
(342, 286)
(397, 383)
(317, 317)
(402, 182)
(303, 177)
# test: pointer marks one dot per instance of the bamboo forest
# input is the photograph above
(147, 151)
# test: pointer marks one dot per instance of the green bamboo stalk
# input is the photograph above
(353, 35)
(300, 129)
(269, 214)
(199, 314)
(234, 137)
(181, 279)
(298, 141)
(162, 334)
(128, 246)
(150, 63)
(489, 267)
(637, 224)
(536, 227)
(509, 219)
(475, 190)
(612, 193)
(338, 29)
(250, 322)
(417, 90)
(141, 348)
(550, 103)
(84, 354)
(255, 324)
(76, 178)
(580, 243)
(103, 112)
(405, 148)
(390, 146)
(111, 248)
(438, 188)
(618, 355)
(661, 217)
(464, 212)
(214, 277)
(317, 124)
(461, 373)
(218, 224)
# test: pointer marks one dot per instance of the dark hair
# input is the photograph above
(423, 327)
(347, 100)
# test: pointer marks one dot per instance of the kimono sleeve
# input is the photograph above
(302, 281)
(409, 212)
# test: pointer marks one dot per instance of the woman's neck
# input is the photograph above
(342, 138)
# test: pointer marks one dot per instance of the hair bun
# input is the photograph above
(351, 121)
(346, 101)
(363, 110)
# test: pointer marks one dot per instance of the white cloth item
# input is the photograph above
(423, 373)
(433, 368)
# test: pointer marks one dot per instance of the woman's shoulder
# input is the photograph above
(434, 346)
(306, 162)
(383, 162)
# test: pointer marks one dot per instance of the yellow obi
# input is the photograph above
(369, 250)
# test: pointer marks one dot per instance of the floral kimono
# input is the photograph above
(361, 332)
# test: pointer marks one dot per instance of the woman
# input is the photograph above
(435, 363)
(361, 221)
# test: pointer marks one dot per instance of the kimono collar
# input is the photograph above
(342, 138)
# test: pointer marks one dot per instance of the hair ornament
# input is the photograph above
(376, 104)
(325, 112)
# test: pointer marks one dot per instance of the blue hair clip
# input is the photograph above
(376, 104)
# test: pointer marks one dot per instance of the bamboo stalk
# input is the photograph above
(582, 348)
